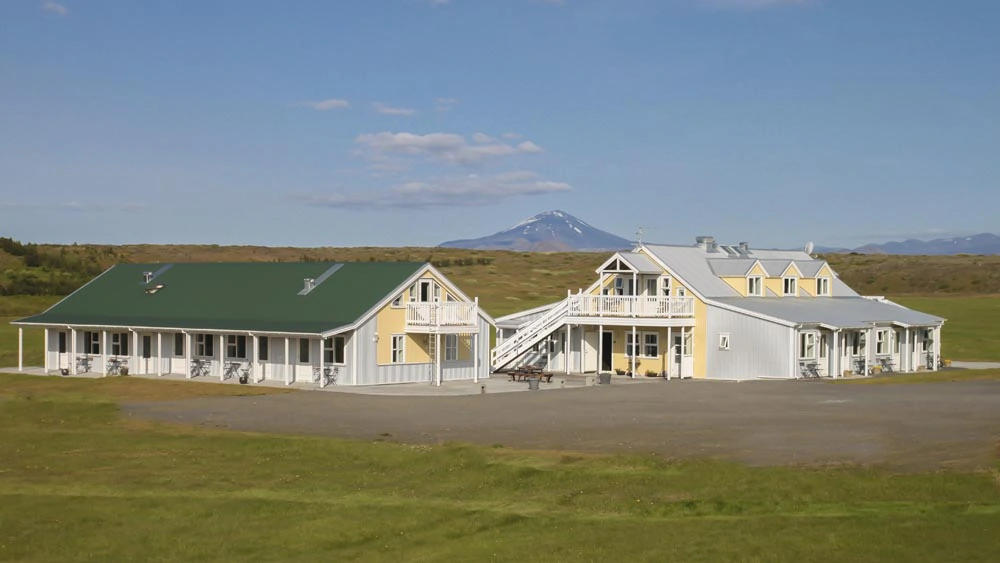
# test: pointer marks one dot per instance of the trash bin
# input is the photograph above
(604, 378)
(533, 383)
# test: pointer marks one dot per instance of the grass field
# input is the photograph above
(80, 483)
(972, 330)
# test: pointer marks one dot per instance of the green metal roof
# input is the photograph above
(262, 296)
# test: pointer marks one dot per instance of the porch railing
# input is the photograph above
(440, 314)
(630, 306)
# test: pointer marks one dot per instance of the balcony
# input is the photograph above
(448, 317)
(619, 306)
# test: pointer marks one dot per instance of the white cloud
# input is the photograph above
(445, 104)
(385, 109)
(464, 191)
(56, 8)
(444, 147)
(325, 105)
(753, 4)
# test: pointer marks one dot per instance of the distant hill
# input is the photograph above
(551, 231)
(984, 244)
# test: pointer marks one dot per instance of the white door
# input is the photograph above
(590, 351)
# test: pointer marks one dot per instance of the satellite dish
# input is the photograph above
(809, 247)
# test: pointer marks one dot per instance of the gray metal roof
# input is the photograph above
(839, 312)
(641, 262)
(690, 263)
(775, 266)
(779, 254)
(731, 266)
(809, 268)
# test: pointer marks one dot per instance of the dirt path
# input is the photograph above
(911, 427)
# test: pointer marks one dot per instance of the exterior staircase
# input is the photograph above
(529, 335)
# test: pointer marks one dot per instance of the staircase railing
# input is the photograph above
(529, 335)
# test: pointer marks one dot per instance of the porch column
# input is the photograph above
(354, 358)
(904, 351)
(869, 348)
(322, 350)
(134, 356)
(252, 359)
(104, 353)
(187, 355)
(670, 351)
(72, 348)
(288, 380)
(835, 355)
(45, 360)
(159, 354)
(567, 346)
(20, 348)
(222, 358)
(635, 347)
(937, 347)
(437, 359)
(475, 356)
(600, 349)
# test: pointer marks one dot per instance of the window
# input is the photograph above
(651, 284)
(665, 287)
(650, 344)
(859, 343)
(681, 292)
(398, 349)
(724, 341)
(927, 341)
(304, 350)
(333, 350)
(791, 286)
(262, 351)
(687, 346)
(119, 344)
(236, 346)
(824, 343)
(178, 344)
(204, 345)
(882, 344)
(822, 286)
(895, 342)
(91, 343)
(619, 286)
(755, 286)
(807, 345)
(62, 342)
(450, 347)
(398, 301)
(629, 344)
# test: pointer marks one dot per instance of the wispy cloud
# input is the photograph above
(73, 206)
(749, 5)
(467, 191)
(445, 104)
(386, 109)
(444, 147)
(56, 8)
(326, 105)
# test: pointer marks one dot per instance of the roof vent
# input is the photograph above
(705, 242)
(308, 285)
(147, 276)
(744, 247)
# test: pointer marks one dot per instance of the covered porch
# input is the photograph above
(825, 351)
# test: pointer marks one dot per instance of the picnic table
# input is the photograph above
(527, 372)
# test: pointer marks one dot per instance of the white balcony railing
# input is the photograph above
(440, 314)
(630, 306)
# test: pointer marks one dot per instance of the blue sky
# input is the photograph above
(411, 122)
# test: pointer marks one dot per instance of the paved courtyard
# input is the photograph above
(910, 427)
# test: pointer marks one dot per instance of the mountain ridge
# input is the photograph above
(982, 243)
(549, 231)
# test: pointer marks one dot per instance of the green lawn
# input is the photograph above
(926, 377)
(972, 330)
(80, 483)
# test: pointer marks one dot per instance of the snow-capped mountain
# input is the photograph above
(548, 231)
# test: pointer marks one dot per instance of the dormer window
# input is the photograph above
(791, 286)
(822, 286)
(755, 286)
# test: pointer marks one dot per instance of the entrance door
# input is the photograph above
(607, 341)
(589, 351)
(677, 353)
(147, 352)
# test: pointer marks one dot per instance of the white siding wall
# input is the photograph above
(757, 348)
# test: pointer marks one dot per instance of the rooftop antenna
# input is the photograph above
(639, 232)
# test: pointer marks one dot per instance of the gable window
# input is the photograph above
(304, 350)
(398, 301)
(822, 286)
(724, 341)
(91, 342)
(755, 286)
(682, 292)
(807, 346)
(333, 350)
(204, 345)
(398, 349)
(236, 346)
(119, 344)
(179, 344)
(790, 286)
(882, 344)
(650, 344)
(450, 347)
(262, 351)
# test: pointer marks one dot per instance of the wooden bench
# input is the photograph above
(525, 372)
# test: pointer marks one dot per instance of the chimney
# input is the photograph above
(705, 243)
(147, 276)
(308, 284)
(744, 248)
